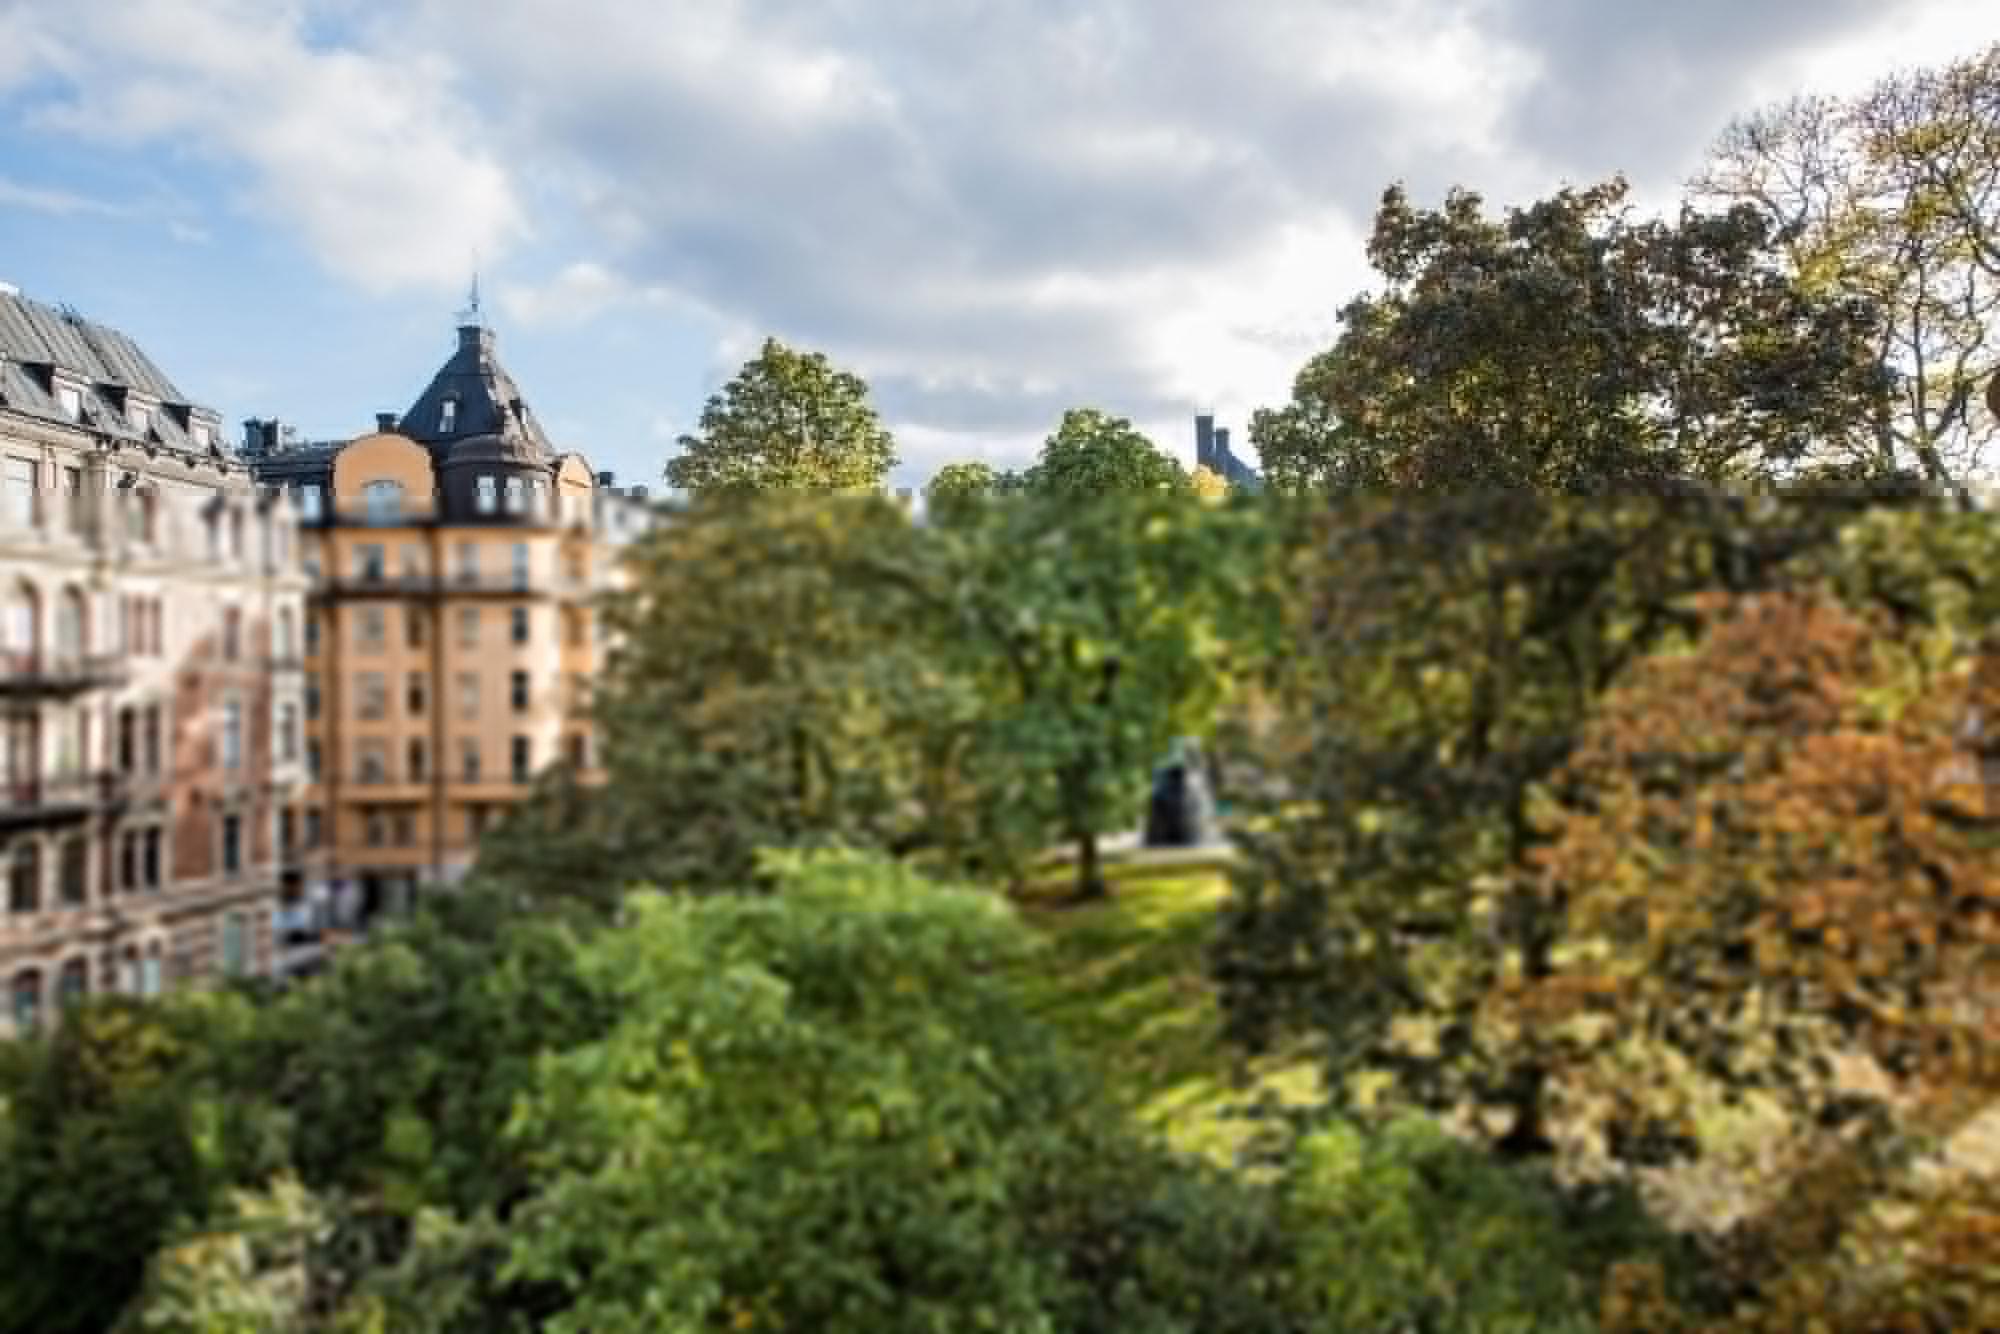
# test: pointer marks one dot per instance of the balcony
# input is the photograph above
(25, 803)
(462, 584)
(57, 674)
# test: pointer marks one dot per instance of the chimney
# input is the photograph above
(385, 422)
(606, 480)
(1204, 439)
(638, 493)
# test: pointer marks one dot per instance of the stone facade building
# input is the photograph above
(151, 703)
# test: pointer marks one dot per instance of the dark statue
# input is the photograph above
(1181, 813)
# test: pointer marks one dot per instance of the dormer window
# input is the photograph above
(384, 500)
(309, 502)
(70, 399)
(448, 417)
(202, 436)
(517, 495)
(141, 417)
(487, 496)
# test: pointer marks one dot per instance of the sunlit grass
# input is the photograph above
(1126, 979)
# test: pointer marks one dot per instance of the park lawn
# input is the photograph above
(1126, 980)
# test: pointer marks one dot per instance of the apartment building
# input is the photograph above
(454, 555)
(151, 692)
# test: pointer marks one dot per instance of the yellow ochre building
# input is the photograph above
(453, 557)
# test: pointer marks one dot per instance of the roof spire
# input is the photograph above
(469, 318)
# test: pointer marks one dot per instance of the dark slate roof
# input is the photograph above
(489, 403)
(36, 338)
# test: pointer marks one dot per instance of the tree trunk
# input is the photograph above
(1090, 883)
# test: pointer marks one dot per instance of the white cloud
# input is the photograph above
(991, 212)
(56, 202)
(372, 161)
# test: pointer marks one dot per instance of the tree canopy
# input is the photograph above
(788, 420)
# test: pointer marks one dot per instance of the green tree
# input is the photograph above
(1090, 627)
(1892, 197)
(826, 1109)
(769, 693)
(1094, 454)
(789, 420)
(1571, 346)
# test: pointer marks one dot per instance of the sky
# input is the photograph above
(991, 210)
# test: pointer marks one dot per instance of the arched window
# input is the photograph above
(27, 1000)
(384, 500)
(236, 535)
(448, 417)
(21, 623)
(488, 495)
(72, 624)
(149, 970)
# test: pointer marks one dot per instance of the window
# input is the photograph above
(523, 753)
(70, 399)
(417, 760)
(151, 857)
(236, 944)
(313, 830)
(519, 618)
(579, 628)
(72, 983)
(383, 501)
(448, 417)
(312, 634)
(73, 512)
(203, 437)
(579, 751)
(520, 565)
(374, 757)
(128, 740)
(232, 845)
(377, 829)
(17, 492)
(372, 695)
(287, 635)
(232, 634)
(468, 753)
(468, 562)
(517, 495)
(309, 502)
(414, 692)
(142, 419)
(368, 562)
(149, 971)
(488, 494)
(73, 871)
(232, 734)
(24, 878)
(517, 692)
(27, 1000)
(128, 861)
(312, 699)
(71, 617)
(468, 627)
(288, 732)
(153, 736)
(403, 829)
(468, 694)
(288, 834)
(475, 820)
(413, 626)
(374, 635)
(236, 535)
(312, 760)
